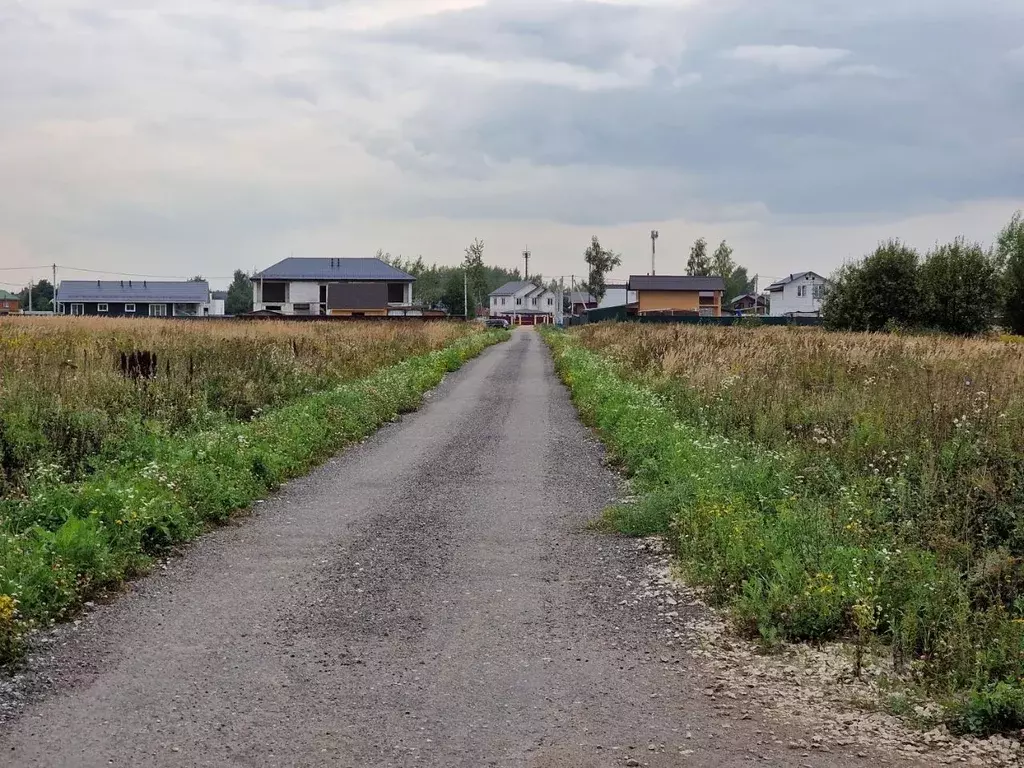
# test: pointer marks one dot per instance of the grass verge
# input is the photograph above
(66, 541)
(786, 561)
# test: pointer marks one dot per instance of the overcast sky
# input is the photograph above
(170, 137)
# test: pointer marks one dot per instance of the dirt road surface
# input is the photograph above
(430, 598)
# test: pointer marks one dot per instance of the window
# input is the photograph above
(533, 302)
(551, 302)
(101, 307)
(78, 309)
(158, 310)
(301, 307)
(801, 291)
(503, 301)
(519, 302)
(396, 293)
(129, 308)
(818, 292)
(275, 292)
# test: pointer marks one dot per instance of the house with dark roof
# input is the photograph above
(523, 302)
(678, 295)
(581, 301)
(749, 304)
(339, 287)
(10, 304)
(134, 298)
(798, 295)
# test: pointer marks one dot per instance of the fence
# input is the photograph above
(619, 314)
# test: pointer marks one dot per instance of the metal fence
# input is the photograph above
(619, 314)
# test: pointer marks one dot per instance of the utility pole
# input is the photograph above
(465, 291)
(654, 239)
(53, 308)
(30, 295)
(526, 256)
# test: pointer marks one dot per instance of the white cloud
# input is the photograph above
(788, 58)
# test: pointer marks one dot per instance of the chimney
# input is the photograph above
(97, 283)
(144, 284)
(122, 283)
(129, 283)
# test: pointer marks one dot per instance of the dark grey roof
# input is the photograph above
(133, 291)
(755, 297)
(778, 285)
(296, 268)
(220, 295)
(509, 289)
(675, 283)
(580, 297)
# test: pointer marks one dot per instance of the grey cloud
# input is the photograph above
(829, 138)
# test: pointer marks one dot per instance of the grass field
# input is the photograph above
(832, 485)
(101, 471)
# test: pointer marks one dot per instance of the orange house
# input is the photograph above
(678, 295)
(10, 304)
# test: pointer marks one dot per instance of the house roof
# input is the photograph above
(7, 295)
(741, 297)
(297, 268)
(778, 285)
(675, 283)
(133, 291)
(510, 289)
(582, 297)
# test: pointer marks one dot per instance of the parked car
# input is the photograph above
(496, 322)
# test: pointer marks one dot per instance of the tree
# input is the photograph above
(599, 263)
(737, 284)
(197, 279)
(699, 263)
(960, 288)
(453, 296)
(239, 300)
(476, 272)
(722, 263)
(42, 297)
(1010, 252)
(879, 291)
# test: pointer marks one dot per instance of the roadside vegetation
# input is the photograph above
(825, 485)
(101, 470)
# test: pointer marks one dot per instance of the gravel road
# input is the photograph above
(431, 597)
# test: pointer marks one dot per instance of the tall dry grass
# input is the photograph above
(64, 400)
(936, 422)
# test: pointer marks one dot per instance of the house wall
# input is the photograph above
(787, 301)
(616, 296)
(117, 309)
(308, 292)
(9, 306)
(652, 301)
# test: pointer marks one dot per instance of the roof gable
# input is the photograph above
(326, 270)
(778, 285)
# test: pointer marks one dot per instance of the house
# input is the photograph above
(581, 301)
(218, 300)
(798, 295)
(134, 298)
(678, 295)
(616, 294)
(749, 304)
(338, 287)
(10, 304)
(524, 303)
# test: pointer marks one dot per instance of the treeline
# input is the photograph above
(958, 287)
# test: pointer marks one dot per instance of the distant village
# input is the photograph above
(373, 287)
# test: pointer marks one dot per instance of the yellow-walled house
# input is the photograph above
(678, 295)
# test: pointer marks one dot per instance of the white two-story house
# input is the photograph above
(523, 302)
(340, 287)
(798, 295)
